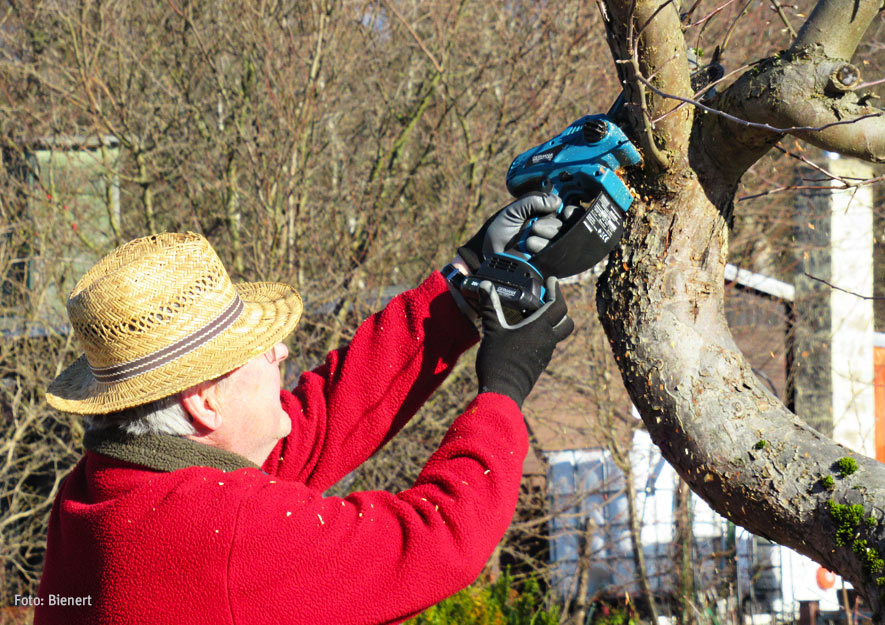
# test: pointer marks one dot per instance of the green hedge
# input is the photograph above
(497, 602)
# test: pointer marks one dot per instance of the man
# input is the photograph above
(199, 499)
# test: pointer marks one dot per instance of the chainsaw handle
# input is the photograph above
(489, 289)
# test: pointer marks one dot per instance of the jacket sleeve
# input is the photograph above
(378, 557)
(365, 392)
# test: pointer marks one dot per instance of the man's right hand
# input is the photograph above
(510, 361)
(501, 230)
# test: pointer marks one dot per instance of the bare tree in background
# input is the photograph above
(344, 147)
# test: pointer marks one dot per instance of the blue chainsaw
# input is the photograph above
(579, 165)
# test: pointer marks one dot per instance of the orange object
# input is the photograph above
(879, 395)
(825, 579)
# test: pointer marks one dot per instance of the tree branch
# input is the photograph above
(796, 130)
(803, 95)
(837, 26)
(795, 94)
(810, 90)
(647, 43)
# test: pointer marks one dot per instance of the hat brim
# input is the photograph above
(271, 311)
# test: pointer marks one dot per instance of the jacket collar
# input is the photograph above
(162, 452)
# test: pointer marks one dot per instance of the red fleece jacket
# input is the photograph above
(200, 545)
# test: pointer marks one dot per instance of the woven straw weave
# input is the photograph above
(158, 293)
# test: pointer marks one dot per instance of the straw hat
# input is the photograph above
(160, 315)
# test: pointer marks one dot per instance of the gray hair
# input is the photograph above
(163, 416)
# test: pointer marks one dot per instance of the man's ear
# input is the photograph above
(201, 402)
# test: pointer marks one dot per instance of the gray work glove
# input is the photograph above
(511, 358)
(503, 228)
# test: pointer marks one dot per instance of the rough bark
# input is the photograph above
(661, 297)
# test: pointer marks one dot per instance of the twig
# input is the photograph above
(687, 14)
(796, 187)
(744, 198)
(833, 286)
(415, 36)
(802, 159)
(872, 83)
(733, 25)
(844, 180)
(704, 90)
(744, 122)
(783, 16)
(710, 14)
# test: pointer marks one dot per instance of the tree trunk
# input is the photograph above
(660, 299)
(682, 542)
(648, 596)
(756, 463)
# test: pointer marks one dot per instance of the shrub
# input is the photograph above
(498, 602)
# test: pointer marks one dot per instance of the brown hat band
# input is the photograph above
(126, 370)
